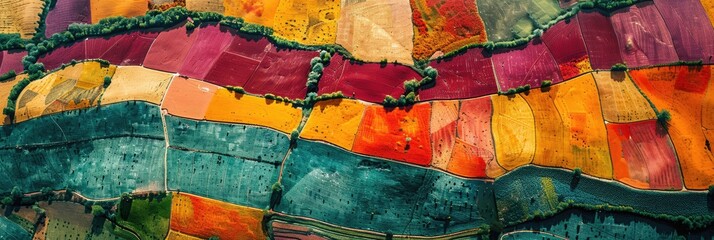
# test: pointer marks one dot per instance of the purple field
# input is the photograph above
(530, 64)
(211, 41)
(65, 13)
(690, 29)
(600, 40)
(11, 60)
(282, 73)
(566, 44)
(170, 49)
(464, 76)
(124, 49)
(63, 55)
(642, 36)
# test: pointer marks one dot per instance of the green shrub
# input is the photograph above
(269, 96)
(190, 26)
(619, 67)
(8, 75)
(663, 117)
(546, 83)
(97, 210)
(107, 81)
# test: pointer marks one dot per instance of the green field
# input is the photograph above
(148, 217)
(506, 20)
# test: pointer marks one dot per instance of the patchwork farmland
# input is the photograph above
(356, 119)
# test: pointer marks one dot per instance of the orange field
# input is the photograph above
(442, 26)
(189, 98)
(307, 21)
(570, 129)
(5, 88)
(514, 131)
(239, 108)
(205, 218)
(334, 121)
(373, 30)
(709, 7)
(399, 133)
(128, 8)
(253, 11)
(681, 91)
(137, 83)
(443, 131)
(621, 101)
(475, 153)
(74, 87)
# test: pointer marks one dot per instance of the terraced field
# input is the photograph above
(327, 119)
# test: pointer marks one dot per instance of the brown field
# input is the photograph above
(373, 30)
(128, 8)
(205, 5)
(137, 83)
(514, 131)
(307, 21)
(20, 16)
(621, 101)
(334, 121)
(253, 11)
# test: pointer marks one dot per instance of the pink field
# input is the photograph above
(123, 49)
(170, 49)
(689, 26)
(65, 13)
(600, 40)
(369, 81)
(63, 55)
(210, 43)
(642, 35)
(642, 155)
(465, 76)
(11, 60)
(566, 44)
(283, 73)
(530, 64)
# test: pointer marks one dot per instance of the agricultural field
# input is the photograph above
(356, 119)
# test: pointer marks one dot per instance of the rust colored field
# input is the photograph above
(137, 83)
(5, 88)
(307, 21)
(75, 87)
(239, 108)
(127, 8)
(253, 11)
(444, 115)
(570, 129)
(621, 101)
(642, 156)
(399, 134)
(681, 91)
(374, 30)
(442, 26)
(205, 218)
(334, 121)
(474, 154)
(514, 131)
(20, 16)
(189, 98)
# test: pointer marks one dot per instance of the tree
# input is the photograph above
(325, 56)
(107, 81)
(619, 67)
(294, 137)
(663, 117)
(97, 210)
(6, 201)
(546, 83)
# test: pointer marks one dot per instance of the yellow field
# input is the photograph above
(238, 108)
(373, 30)
(128, 8)
(75, 87)
(514, 131)
(443, 131)
(5, 88)
(335, 121)
(137, 83)
(253, 11)
(20, 16)
(570, 129)
(621, 101)
(205, 5)
(709, 7)
(307, 21)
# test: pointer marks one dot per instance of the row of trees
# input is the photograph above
(412, 87)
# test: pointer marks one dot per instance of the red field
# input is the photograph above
(369, 81)
(642, 155)
(566, 44)
(399, 134)
(209, 44)
(65, 13)
(282, 72)
(11, 60)
(464, 76)
(474, 154)
(530, 64)
(681, 91)
(170, 49)
(642, 35)
(205, 218)
(123, 49)
(689, 26)
(600, 39)
(63, 55)
(231, 69)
